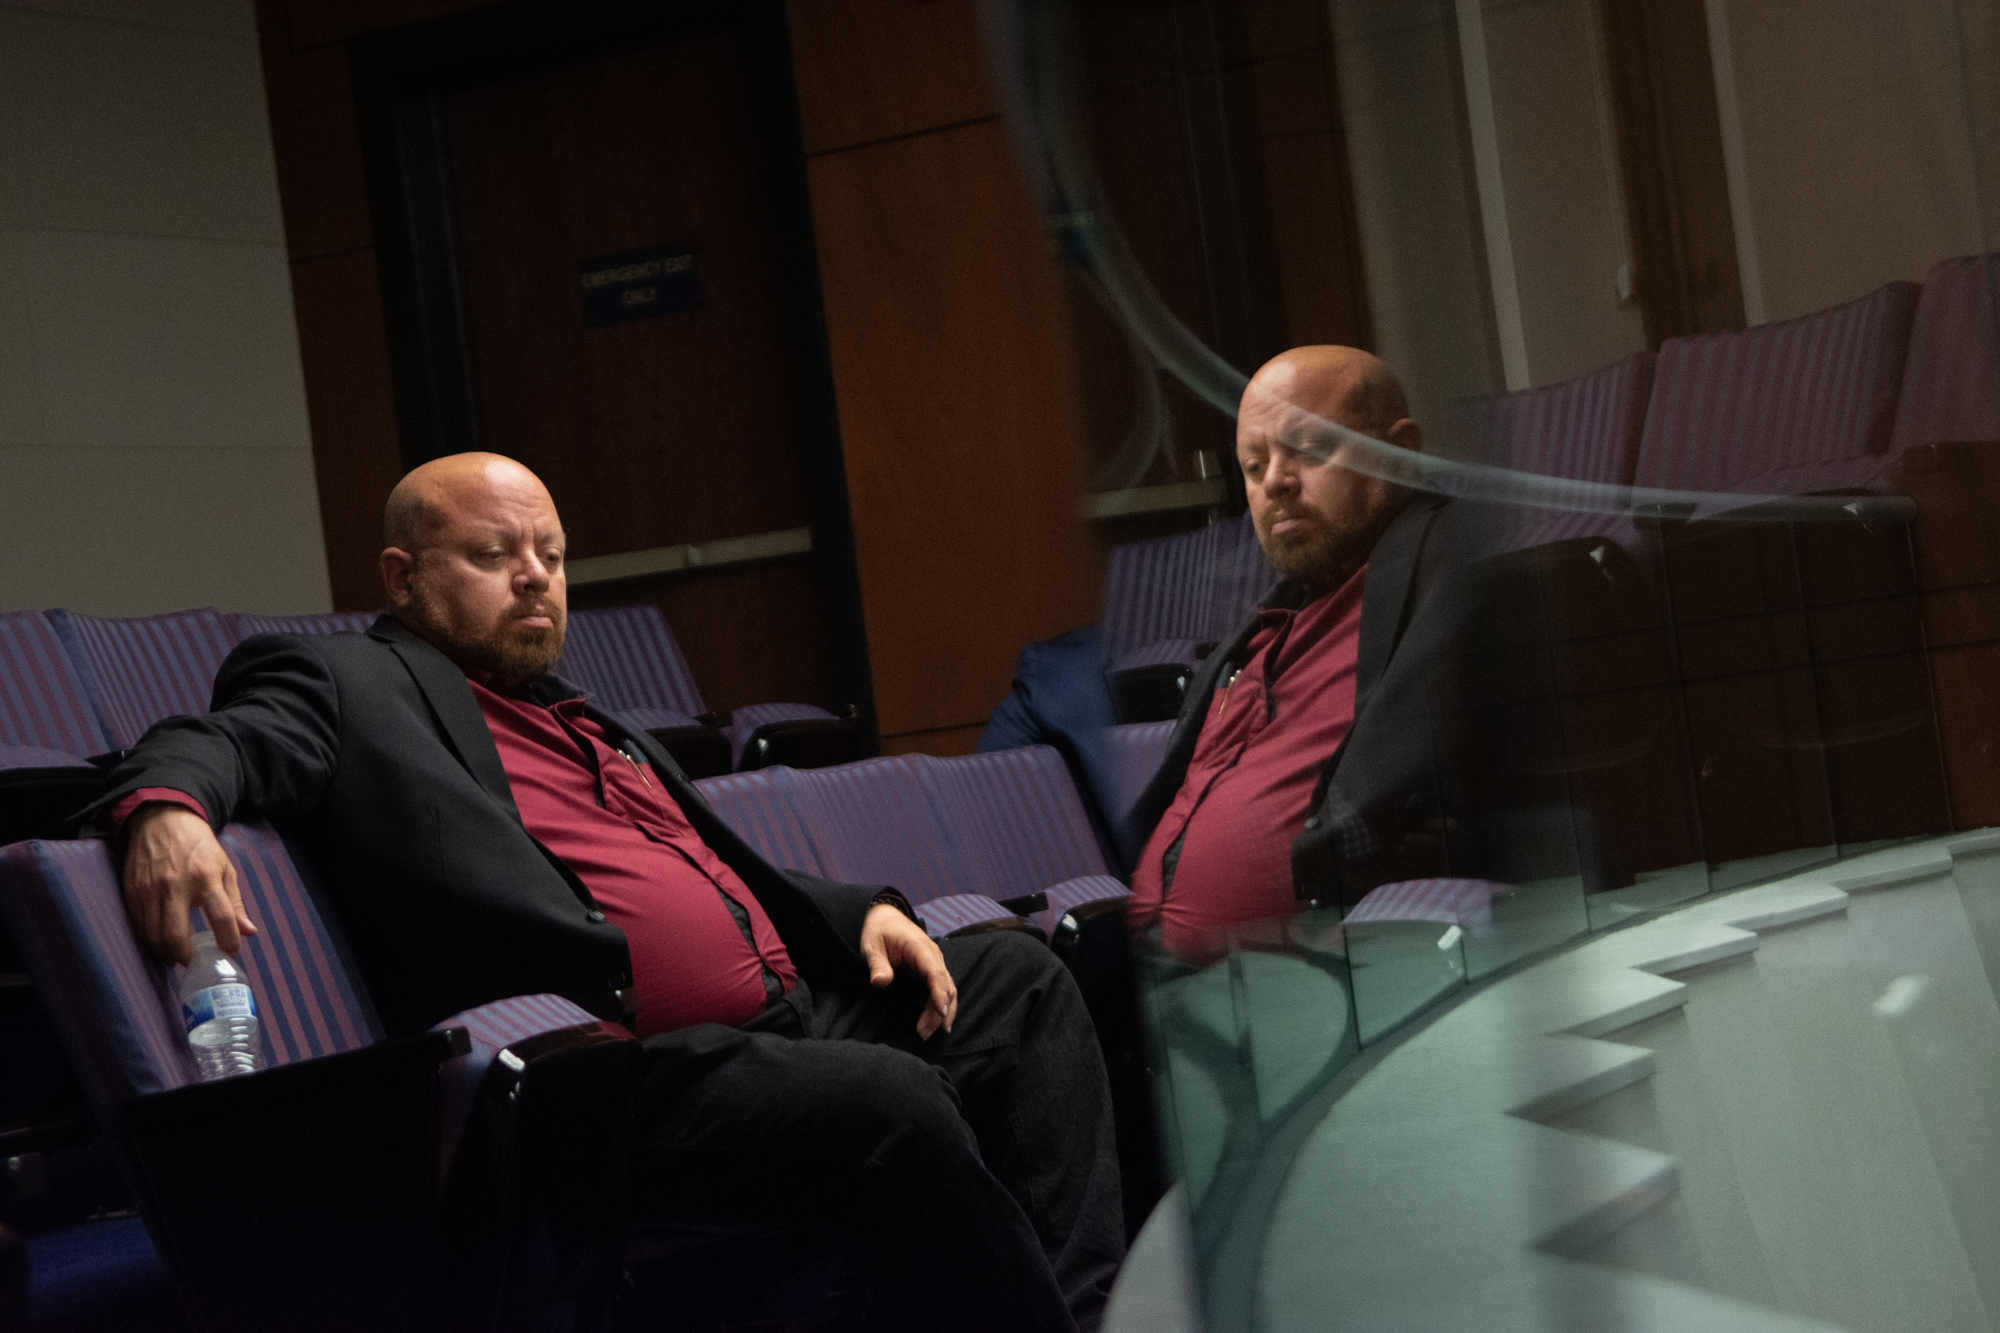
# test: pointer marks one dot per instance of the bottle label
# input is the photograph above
(226, 1001)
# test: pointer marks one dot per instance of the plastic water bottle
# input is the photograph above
(220, 1013)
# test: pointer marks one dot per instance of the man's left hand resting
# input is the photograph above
(889, 938)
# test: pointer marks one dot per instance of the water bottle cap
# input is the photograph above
(204, 939)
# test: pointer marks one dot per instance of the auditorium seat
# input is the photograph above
(1025, 833)
(1137, 750)
(1582, 429)
(1166, 599)
(328, 622)
(627, 659)
(336, 1158)
(975, 842)
(757, 806)
(1787, 408)
(1947, 435)
(1800, 651)
(137, 671)
(43, 703)
(874, 822)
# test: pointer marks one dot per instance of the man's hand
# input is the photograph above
(173, 864)
(889, 938)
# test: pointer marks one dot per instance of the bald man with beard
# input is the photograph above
(936, 1110)
(1305, 768)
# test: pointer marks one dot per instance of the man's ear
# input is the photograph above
(398, 567)
(1406, 434)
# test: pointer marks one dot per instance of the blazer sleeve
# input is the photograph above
(267, 747)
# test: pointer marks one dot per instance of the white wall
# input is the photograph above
(1485, 165)
(1867, 143)
(1558, 173)
(1416, 204)
(154, 451)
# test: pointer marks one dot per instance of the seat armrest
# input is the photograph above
(535, 1205)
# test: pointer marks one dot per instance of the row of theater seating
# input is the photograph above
(74, 686)
(1712, 680)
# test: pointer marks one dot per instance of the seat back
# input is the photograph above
(43, 703)
(307, 988)
(1136, 753)
(118, 1008)
(1951, 381)
(1195, 587)
(34, 756)
(138, 671)
(1802, 405)
(329, 622)
(1584, 429)
(873, 822)
(626, 657)
(1018, 817)
(757, 805)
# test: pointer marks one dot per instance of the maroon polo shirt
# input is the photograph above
(1270, 729)
(694, 959)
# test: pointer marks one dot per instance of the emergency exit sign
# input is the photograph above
(638, 284)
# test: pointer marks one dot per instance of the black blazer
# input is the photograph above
(1384, 806)
(369, 752)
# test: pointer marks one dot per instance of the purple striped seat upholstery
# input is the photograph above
(757, 806)
(136, 672)
(34, 756)
(1137, 750)
(627, 658)
(1781, 409)
(1196, 587)
(112, 1004)
(42, 699)
(1584, 429)
(1078, 895)
(1456, 902)
(1951, 381)
(1018, 817)
(330, 622)
(872, 823)
(962, 911)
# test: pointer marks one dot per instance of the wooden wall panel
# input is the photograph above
(316, 144)
(959, 413)
(323, 22)
(876, 69)
(353, 414)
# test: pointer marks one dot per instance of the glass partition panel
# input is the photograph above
(1595, 411)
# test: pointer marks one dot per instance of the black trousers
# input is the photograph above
(972, 1178)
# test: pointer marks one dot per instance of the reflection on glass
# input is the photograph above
(1661, 537)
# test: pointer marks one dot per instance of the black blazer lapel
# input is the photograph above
(457, 712)
(1386, 596)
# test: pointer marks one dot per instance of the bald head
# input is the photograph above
(1345, 385)
(422, 499)
(1316, 517)
(473, 563)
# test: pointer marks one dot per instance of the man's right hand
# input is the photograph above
(174, 864)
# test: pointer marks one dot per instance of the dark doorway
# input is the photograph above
(512, 151)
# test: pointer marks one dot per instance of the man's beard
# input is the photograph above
(513, 657)
(1312, 555)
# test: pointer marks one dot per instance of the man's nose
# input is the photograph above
(531, 573)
